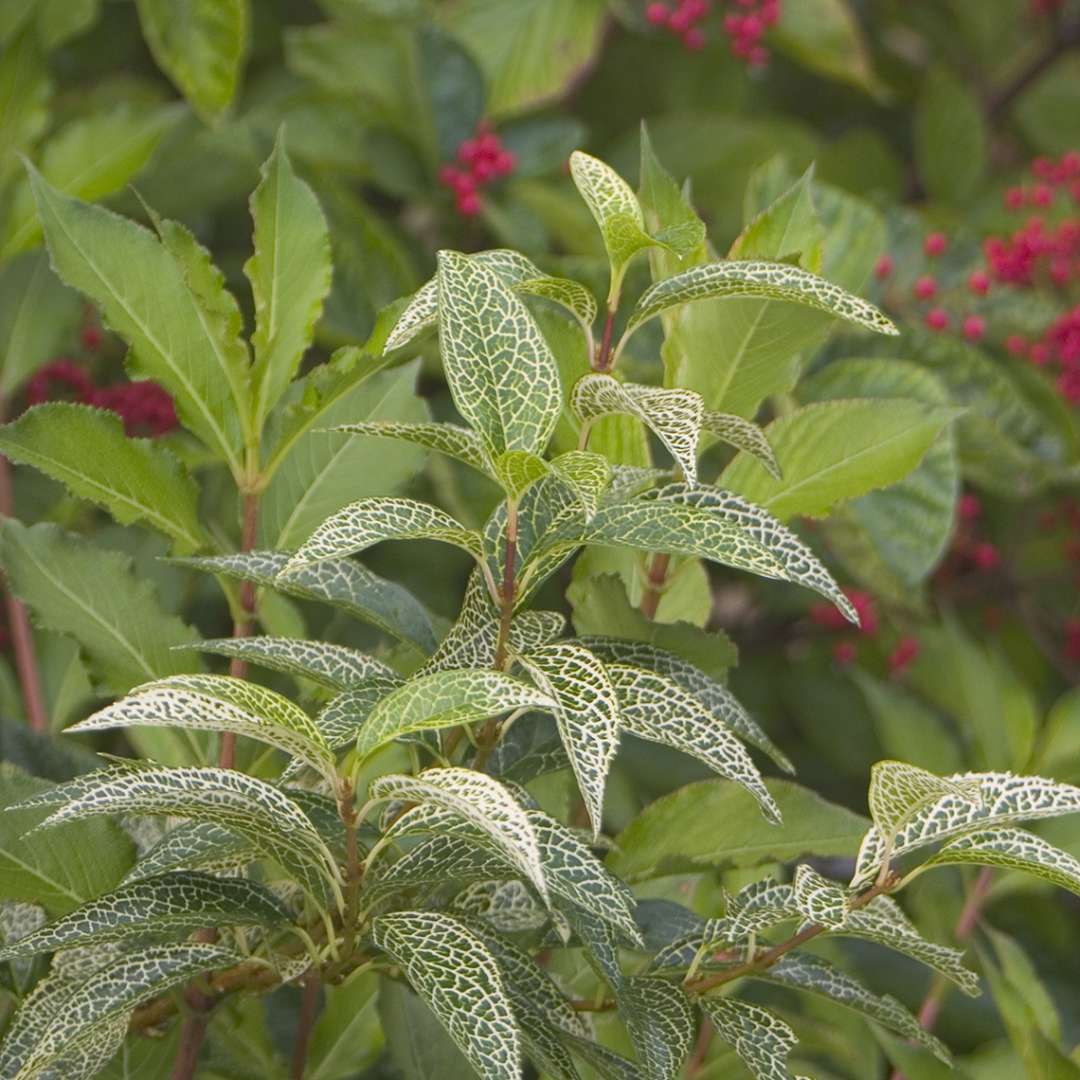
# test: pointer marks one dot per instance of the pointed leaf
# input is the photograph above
(501, 373)
(586, 473)
(587, 712)
(762, 1040)
(289, 273)
(87, 451)
(743, 435)
(341, 718)
(661, 1025)
(449, 439)
(898, 791)
(432, 863)
(456, 974)
(817, 899)
(673, 415)
(518, 470)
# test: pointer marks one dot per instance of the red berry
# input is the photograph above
(845, 652)
(759, 56)
(828, 617)
(925, 287)
(448, 176)
(657, 14)
(883, 267)
(489, 144)
(906, 651)
(1014, 198)
(1016, 344)
(1039, 354)
(937, 319)
(979, 282)
(1042, 195)
(974, 327)
(986, 556)
(694, 39)
(468, 151)
(935, 244)
(468, 204)
(505, 163)
(92, 337)
(969, 506)
(483, 170)
(59, 375)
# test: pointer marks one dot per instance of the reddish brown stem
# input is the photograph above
(602, 360)
(22, 635)
(309, 1007)
(191, 1040)
(701, 1049)
(654, 589)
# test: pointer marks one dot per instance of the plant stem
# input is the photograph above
(701, 1049)
(654, 590)
(930, 1009)
(191, 1040)
(1065, 38)
(22, 635)
(309, 1005)
(602, 359)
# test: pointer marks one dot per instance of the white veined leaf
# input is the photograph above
(179, 903)
(743, 435)
(715, 525)
(883, 921)
(255, 809)
(499, 366)
(343, 716)
(762, 1040)
(588, 474)
(674, 415)
(607, 1064)
(482, 802)
(899, 790)
(63, 1016)
(660, 1022)
(517, 470)
(218, 703)
(342, 583)
(335, 666)
(370, 521)
(506, 906)
(804, 972)
(760, 905)
(656, 708)
(450, 439)
(819, 900)
(446, 699)
(768, 280)
(586, 709)
(1012, 849)
(716, 697)
(422, 310)
(456, 974)
(614, 206)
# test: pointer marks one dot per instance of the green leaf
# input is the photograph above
(76, 588)
(743, 435)
(24, 94)
(656, 708)
(668, 213)
(89, 158)
(836, 451)
(1004, 799)
(290, 275)
(787, 230)
(898, 791)
(64, 869)
(37, 316)
(87, 451)
(586, 706)
(60, 1019)
(459, 978)
(762, 1040)
(337, 667)
(370, 521)
(177, 903)
(416, 1042)
(711, 823)
(143, 296)
(447, 699)
(674, 416)
(253, 808)
(342, 583)
(219, 703)
(951, 138)
(501, 372)
(1046, 110)
(661, 1025)
(347, 1037)
(201, 45)
(613, 204)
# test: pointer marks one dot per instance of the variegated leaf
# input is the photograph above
(517, 471)
(587, 713)
(447, 699)
(743, 435)
(218, 703)
(506, 906)
(804, 972)
(586, 473)
(370, 521)
(673, 415)
(432, 863)
(343, 583)
(480, 801)
(767, 280)
(341, 719)
(64, 1016)
(716, 697)
(1011, 849)
(335, 666)
(607, 1064)
(762, 1040)
(718, 526)
(758, 906)
(450, 439)
(660, 1022)
(899, 790)
(251, 807)
(818, 899)
(177, 903)
(656, 708)
(422, 311)
(613, 204)
(456, 974)
(499, 367)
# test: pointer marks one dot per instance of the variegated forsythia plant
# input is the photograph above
(401, 840)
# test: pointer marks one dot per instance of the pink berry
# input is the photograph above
(759, 56)
(694, 39)
(680, 21)
(986, 556)
(468, 151)
(468, 204)
(1042, 195)
(845, 652)
(1016, 344)
(657, 14)
(979, 282)
(883, 267)
(695, 9)
(905, 653)
(1014, 198)
(91, 337)
(969, 506)
(935, 244)
(483, 170)
(505, 163)
(937, 319)
(1039, 354)
(926, 287)
(974, 327)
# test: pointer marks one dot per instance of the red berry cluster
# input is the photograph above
(483, 159)
(145, 407)
(970, 549)
(745, 25)
(845, 649)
